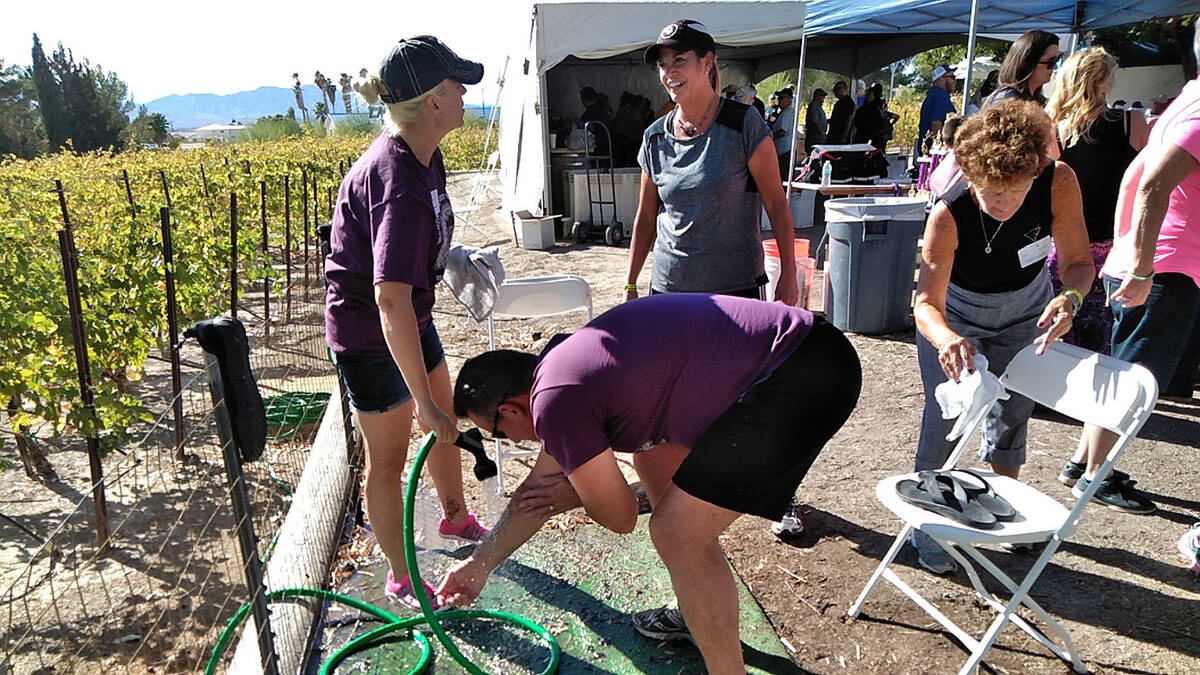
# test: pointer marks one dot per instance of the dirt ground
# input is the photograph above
(1118, 584)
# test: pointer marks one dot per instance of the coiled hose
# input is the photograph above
(391, 622)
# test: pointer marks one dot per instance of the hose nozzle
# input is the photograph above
(472, 441)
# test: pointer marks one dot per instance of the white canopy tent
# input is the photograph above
(600, 44)
(576, 43)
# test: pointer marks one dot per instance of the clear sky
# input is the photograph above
(160, 48)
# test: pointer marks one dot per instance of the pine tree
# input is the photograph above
(50, 101)
(21, 130)
(80, 104)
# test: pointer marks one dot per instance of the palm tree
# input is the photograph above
(299, 92)
(323, 86)
(331, 94)
(344, 80)
(321, 112)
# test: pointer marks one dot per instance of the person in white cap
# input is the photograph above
(936, 106)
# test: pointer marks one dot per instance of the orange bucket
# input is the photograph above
(771, 248)
(804, 265)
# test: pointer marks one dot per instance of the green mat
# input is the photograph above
(581, 584)
(286, 413)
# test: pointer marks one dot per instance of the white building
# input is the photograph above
(224, 132)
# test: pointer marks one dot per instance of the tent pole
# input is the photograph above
(1072, 44)
(966, 95)
(796, 98)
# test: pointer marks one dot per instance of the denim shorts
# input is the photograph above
(1156, 333)
(374, 382)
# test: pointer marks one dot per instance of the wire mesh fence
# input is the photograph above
(172, 575)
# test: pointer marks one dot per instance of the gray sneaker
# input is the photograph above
(662, 623)
(931, 555)
(1118, 495)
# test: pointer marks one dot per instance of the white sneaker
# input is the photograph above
(1189, 547)
(791, 525)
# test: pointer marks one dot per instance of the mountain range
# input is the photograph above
(189, 111)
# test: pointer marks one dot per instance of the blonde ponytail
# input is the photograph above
(399, 115)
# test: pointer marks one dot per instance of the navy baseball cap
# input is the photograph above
(419, 64)
(682, 35)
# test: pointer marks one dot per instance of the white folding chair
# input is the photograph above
(482, 185)
(1086, 386)
(529, 298)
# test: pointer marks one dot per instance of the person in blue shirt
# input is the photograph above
(936, 106)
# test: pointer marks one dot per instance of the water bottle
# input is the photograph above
(826, 173)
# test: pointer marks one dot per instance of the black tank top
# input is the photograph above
(1099, 160)
(999, 271)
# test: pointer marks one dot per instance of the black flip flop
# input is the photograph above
(944, 497)
(982, 493)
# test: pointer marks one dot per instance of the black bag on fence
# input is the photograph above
(851, 164)
(325, 234)
(225, 339)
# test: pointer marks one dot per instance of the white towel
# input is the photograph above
(474, 276)
(973, 392)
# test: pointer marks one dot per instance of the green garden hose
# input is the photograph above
(391, 622)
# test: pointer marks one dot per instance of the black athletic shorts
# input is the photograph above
(754, 455)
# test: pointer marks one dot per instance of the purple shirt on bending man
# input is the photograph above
(637, 394)
(392, 222)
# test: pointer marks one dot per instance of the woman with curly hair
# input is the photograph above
(1098, 143)
(983, 286)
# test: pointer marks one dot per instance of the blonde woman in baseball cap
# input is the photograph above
(392, 227)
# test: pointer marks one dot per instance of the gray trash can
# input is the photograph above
(872, 249)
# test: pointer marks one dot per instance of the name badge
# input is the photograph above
(1035, 252)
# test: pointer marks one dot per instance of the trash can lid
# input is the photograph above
(859, 209)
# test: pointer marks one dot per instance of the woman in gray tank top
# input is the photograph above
(705, 164)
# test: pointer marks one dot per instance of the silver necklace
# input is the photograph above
(690, 130)
(987, 241)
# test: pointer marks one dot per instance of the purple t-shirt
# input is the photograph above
(661, 368)
(392, 222)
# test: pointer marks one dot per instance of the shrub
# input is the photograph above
(273, 128)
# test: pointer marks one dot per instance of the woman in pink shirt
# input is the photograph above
(1152, 277)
